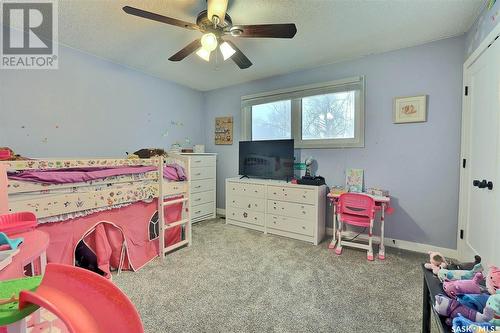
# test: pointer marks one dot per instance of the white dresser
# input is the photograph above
(277, 207)
(202, 186)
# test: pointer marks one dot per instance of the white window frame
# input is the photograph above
(296, 94)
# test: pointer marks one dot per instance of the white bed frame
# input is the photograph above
(50, 201)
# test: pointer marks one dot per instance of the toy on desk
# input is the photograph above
(11, 243)
(464, 265)
(436, 262)
(453, 275)
(454, 288)
(493, 280)
(377, 191)
(338, 190)
(452, 308)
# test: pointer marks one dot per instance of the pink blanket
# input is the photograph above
(79, 175)
(76, 175)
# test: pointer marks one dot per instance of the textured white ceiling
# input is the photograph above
(328, 31)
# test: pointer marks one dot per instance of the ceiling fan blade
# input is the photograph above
(159, 18)
(285, 30)
(218, 8)
(238, 57)
(193, 46)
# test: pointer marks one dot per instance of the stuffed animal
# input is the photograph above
(452, 275)
(474, 301)
(454, 288)
(462, 324)
(465, 265)
(494, 304)
(493, 280)
(452, 308)
(436, 262)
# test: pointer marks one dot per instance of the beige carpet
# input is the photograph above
(236, 280)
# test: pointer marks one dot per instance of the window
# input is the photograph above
(328, 115)
(272, 121)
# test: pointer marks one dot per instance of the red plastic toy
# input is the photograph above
(17, 222)
(84, 301)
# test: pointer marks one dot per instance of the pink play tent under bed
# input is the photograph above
(119, 237)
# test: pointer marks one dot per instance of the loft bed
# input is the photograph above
(71, 197)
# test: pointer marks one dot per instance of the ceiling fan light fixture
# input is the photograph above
(209, 42)
(217, 8)
(203, 54)
(226, 50)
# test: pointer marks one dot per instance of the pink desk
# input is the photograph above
(381, 201)
(30, 251)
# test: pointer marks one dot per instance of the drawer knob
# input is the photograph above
(303, 212)
(197, 199)
(245, 215)
(303, 227)
(198, 212)
(255, 218)
(249, 205)
(304, 196)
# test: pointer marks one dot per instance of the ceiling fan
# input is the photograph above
(215, 23)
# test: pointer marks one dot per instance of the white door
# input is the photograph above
(480, 180)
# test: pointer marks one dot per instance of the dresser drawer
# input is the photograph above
(202, 185)
(250, 203)
(299, 195)
(245, 215)
(290, 224)
(291, 209)
(202, 161)
(202, 197)
(202, 210)
(251, 190)
(203, 173)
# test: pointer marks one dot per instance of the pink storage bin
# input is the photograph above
(5, 154)
(17, 222)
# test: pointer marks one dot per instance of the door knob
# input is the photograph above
(480, 184)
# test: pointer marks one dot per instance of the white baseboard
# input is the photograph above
(405, 245)
(221, 212)
(390, 242)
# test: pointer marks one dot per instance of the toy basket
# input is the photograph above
(17, 222)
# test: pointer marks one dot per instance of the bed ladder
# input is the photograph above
(185, 219)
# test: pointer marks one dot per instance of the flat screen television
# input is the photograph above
(270, 159)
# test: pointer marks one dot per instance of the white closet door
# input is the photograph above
(482, 211)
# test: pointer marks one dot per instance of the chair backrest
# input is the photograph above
(356, 204)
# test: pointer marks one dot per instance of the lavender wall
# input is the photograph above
(92, 107)
(487, 20)
(418, 163)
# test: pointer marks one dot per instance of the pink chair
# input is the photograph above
(84, 301)
(357, 210)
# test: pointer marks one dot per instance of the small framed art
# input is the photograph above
(411, 109)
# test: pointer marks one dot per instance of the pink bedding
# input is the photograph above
(76, 175)
(79, 175)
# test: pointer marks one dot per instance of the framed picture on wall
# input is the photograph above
(411, 109)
